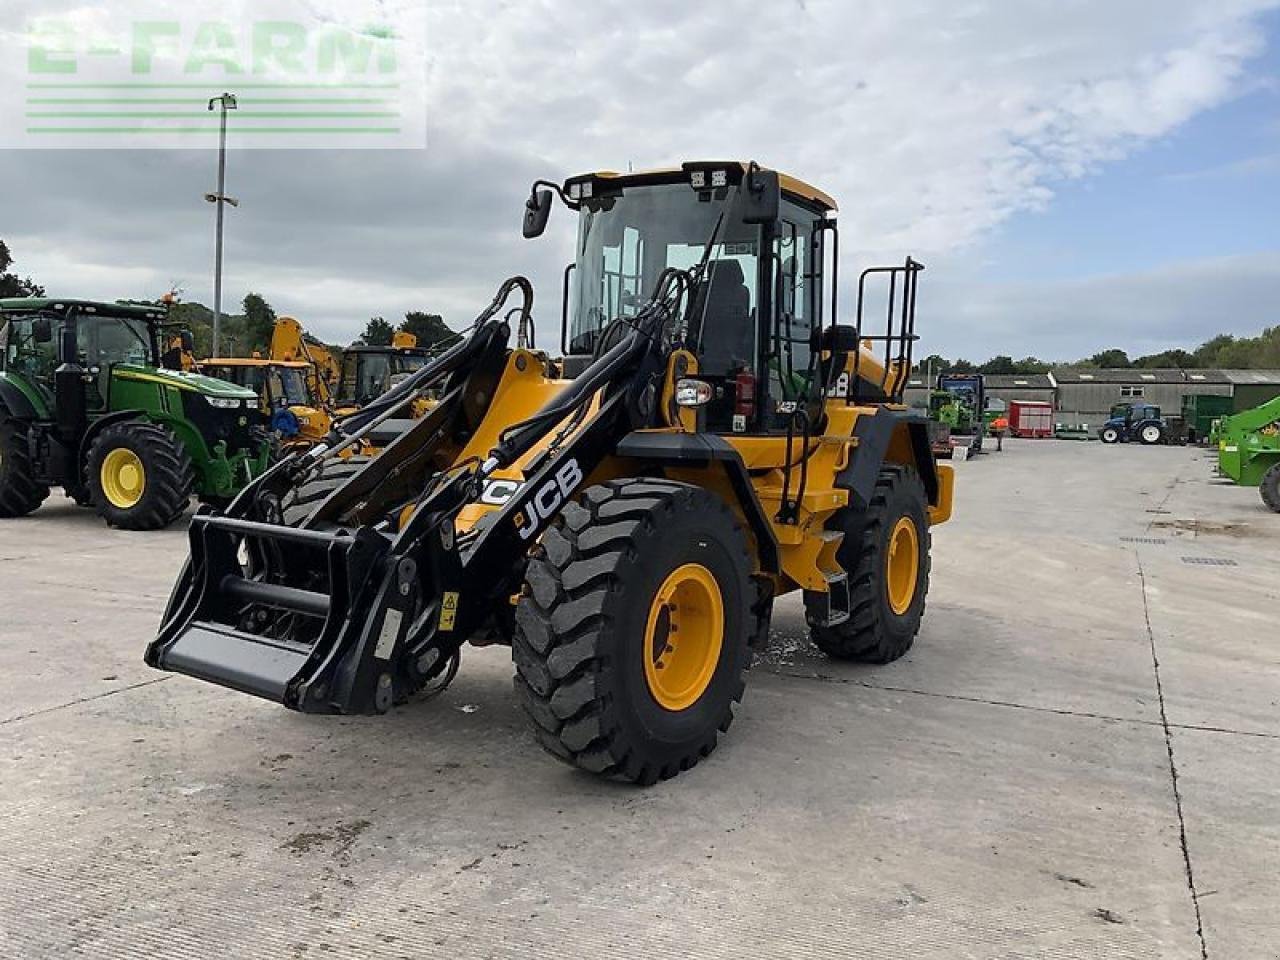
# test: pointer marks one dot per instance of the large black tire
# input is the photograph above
(20, 493)
(875, 632)
(1270, 488)
(300, 502)
(1151, 434)
(581, 624)
(168, 479)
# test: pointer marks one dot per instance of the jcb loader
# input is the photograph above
(623, 517)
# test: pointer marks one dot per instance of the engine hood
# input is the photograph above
(190, 382)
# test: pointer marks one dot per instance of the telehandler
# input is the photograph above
(712, 439)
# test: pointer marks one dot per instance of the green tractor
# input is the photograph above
(1249, 450)
(86, 404)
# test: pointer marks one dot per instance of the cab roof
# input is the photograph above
(790, 185)
(134, 311)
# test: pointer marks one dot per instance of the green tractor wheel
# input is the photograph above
(20, 493)
(140, 476)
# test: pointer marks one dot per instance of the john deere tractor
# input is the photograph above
(623, 517)
(85, 404)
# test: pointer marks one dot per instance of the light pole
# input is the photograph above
(227, 102)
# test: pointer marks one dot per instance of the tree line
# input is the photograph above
(1223, 352)
(249, 330)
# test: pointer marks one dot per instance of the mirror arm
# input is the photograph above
(559, 192)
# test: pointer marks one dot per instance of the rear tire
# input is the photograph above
(882, 624)
(20, 492)
(1109, 435)
(599, 599)
(1150, 434)
(1270, 488)
(140, 476)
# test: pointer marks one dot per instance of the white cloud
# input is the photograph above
(931, 122)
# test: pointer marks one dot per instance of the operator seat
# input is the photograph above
(726, 331)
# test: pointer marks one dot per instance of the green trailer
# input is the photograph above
(1199, 410)
(86, 404)
(1249, 450)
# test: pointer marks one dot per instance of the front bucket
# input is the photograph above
(283, 614)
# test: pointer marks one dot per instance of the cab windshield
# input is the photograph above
(367, 376)
(627, 238)
(291, 384)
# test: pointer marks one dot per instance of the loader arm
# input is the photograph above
(324, 618)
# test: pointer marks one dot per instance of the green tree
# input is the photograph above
(259, 321)
(935, 362)
(963, 366)
(1110, 360)
(1180, 359)
(1000, 364)
(377, 332)
(1031, 365)
(11, 285)
(429, 328)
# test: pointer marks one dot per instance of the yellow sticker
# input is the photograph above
(448, 611)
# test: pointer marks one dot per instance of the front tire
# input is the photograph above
(630, 642)
(20, 492)
(885, 553)
(1270, 488)
(1109, 435)
(140, 476)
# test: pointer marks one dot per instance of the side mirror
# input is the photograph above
(188, 341)
(42, 330)
(537, 210)
(761, 196)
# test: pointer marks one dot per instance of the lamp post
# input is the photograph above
(226, 102)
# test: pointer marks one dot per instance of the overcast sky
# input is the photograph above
(1075, 175)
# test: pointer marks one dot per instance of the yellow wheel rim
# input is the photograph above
(123, 477)
(902, 565)
(683, 636)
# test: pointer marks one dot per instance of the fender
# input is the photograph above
(97, 426)
(15, 403)
(699, 450)
(874, 435)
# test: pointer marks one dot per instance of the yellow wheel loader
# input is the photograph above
(624, 516)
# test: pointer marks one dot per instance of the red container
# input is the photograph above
(1030, 418)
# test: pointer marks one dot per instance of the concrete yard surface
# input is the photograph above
(1079, 758)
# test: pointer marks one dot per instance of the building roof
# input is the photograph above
(1014, 381)
(1069, 375)
(1269, 377)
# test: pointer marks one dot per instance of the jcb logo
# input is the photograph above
(547, 500)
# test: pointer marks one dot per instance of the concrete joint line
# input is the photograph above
(75, 703)
(1173, 767)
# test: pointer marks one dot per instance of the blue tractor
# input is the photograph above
(1135, 422)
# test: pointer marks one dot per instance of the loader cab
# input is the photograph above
(759, 305)
(368, 372)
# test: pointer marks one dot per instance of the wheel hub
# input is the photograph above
(123, 478)
(683, 636)
(902, 565)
